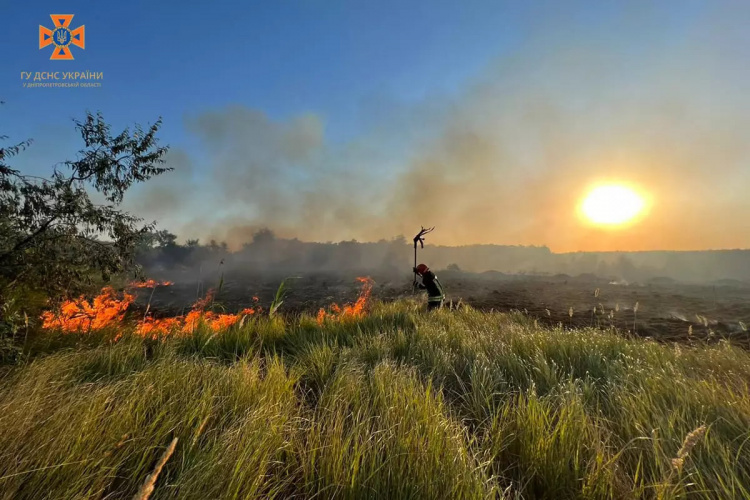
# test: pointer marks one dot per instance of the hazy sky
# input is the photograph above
(333, 120)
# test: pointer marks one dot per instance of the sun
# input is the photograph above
(612, 205)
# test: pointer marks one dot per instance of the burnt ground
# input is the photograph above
(666, 309)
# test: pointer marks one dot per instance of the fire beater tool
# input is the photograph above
(419, 238)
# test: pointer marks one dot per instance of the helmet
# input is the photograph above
(421, 269)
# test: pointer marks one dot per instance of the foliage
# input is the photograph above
(54, 235)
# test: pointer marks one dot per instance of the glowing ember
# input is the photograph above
(203, 303)
(150, 284)
(355, 310)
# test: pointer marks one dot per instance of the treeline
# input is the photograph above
(266, 252)
(160, 251)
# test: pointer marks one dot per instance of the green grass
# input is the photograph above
(399, 404)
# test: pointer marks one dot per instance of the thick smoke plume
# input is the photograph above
(507, 160)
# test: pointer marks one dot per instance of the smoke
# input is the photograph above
(508, 159)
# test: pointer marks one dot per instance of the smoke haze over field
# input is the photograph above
(505, 160)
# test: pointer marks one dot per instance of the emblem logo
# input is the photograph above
(62, 37)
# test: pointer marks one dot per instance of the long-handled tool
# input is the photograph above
(419, 238)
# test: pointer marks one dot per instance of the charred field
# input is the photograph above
(666, 310)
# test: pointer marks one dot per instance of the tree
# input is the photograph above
(165, 239)
(264, 236)
(53, 236)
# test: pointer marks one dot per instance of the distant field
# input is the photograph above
(396, 404)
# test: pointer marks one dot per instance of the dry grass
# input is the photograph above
(150, 483)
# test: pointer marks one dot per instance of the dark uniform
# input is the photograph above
(435, 294)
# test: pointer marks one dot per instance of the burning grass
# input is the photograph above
(150, 284)
(199, 315)
(348, 311)
(79, 315)
(108, 310)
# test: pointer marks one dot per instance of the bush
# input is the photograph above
(54, 238)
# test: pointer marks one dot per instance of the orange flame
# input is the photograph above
(80, 315)
(107, 309)
(154, 327)
(188, 323)
(203, 303)
(355, 310)
(150, 284)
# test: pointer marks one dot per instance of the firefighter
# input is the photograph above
(430, 282)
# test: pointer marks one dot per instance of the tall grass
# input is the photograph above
(397, 404)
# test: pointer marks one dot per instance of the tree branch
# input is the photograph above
(21, 244)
